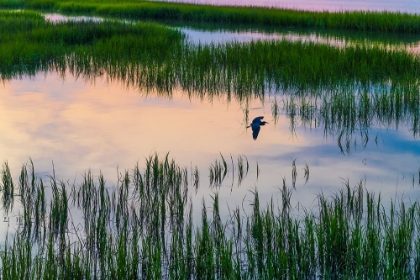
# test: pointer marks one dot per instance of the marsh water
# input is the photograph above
(69, 124)
(72, 125)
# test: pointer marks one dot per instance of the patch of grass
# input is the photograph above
(157, 58)
(31, 44)
(354, 20)
(349, 112)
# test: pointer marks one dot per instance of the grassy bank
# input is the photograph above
(365, 21)
(143, 228)
(30, 44)
(155, 56)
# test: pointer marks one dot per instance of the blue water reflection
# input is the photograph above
(79, 125)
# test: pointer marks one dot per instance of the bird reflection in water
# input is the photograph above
(256, 126)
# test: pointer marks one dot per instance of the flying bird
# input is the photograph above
(256, 126)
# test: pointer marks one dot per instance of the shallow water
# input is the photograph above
(220, 35)
(74, 125)
(71, 125)
(199, 36)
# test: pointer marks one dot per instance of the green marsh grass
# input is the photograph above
(351, 20)
(218, 171)
(348, 113)
(7, 188)
(145, 222)
(31, 44)
(163, 60)
(143, 228)
(243, 168)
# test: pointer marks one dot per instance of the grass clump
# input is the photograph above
(30, 44)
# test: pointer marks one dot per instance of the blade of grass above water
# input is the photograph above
(348, 234)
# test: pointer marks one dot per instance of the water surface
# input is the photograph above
(77, 125)
(71, 125)
(216, 34)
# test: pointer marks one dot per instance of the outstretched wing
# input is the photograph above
(257, 119)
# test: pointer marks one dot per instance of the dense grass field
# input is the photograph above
(365, 21)
(29, 43)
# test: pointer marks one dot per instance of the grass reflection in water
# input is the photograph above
(144, 229)
(339, 88)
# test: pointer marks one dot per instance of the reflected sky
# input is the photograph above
(196, 36)
(72, 125)
(61, 18)
(76, 126)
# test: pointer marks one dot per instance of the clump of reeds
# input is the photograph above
(243, 168)
(218, 171)
(7, 188)
(144, 228)
(348, 112)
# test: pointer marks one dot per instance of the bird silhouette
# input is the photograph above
(256, 126)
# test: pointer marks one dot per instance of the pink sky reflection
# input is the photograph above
(82, 126)
(101, 126)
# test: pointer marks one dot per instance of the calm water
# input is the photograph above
(202, 35)
(74, 125)
(406, 6)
